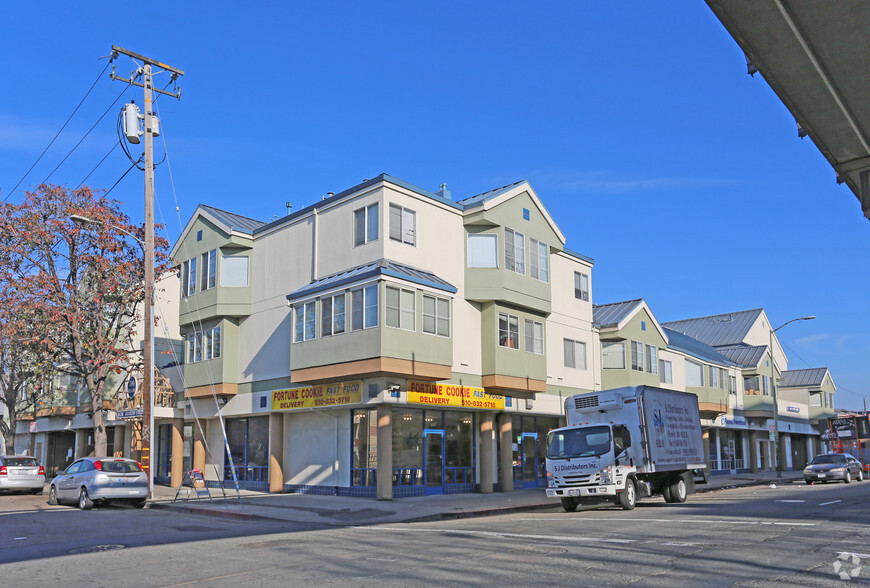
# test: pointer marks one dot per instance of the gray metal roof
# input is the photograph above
(745, 356)
(472, 201)
(721, 329)
(381, 267)
(233, 221)
(808, 377)
(610, 315)
(695, 348)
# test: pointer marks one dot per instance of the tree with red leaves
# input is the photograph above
(80, 285)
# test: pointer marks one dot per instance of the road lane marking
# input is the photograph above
(681, 521)
(789, 500)
(831, 502)
(573, 538)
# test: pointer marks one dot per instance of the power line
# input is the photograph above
(122, 177)
(115, 146)
(86, 135)
(60, 131)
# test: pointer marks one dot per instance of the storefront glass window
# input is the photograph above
(365, 448)
(407, 447)
(248, 440)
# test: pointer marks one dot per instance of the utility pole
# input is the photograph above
(148, 352)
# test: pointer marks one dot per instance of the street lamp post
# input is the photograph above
(776, 457)
(148, 351)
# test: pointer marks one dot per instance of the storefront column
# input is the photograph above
(487, 441)
(81, 443)
(753, 453)
(505, 453)
(705, 435)
(276, 452)
(199, 447)
(385, 452)
(765, 449)
(176, 474)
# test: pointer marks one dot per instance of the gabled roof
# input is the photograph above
(695, 348)
(579, 256)
(720, 329)
(746, 356)
(809, 377)
(381, 267)
(610, 315)
(615, 314)
(233, 221)
(479, 199)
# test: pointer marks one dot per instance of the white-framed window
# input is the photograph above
(364, 307)
(765, 390)
(508, 330)
(734, 385)
(204, 345)
(306, 321)
(652, 359)
(723, 379)
(188, 277)
(400, 308)
(514, 251)
(714, 377)
(666, 372)
(403, 224)
(581, 286)
(208, 269)
(612, 355)
(534, 337)
(482, 250)
(365, 224)
(694, 374)
(234, 271)
(539, 260)
(436, 315)
(637, 356)
(332, 314)
(575, 354)
(816, 399)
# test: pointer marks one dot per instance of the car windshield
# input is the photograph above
(829, 459)
(582, 442)
(120, 467)
(20, 461)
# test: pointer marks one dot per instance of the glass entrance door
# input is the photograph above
(434, 451)
(530, 460)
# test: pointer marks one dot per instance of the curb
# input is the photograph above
(210, 511)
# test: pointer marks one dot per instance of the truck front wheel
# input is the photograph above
(628, 497)
(569, 504)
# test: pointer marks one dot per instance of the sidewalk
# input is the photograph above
(346, 511)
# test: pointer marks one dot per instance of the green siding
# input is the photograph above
(634, 330)
(511, 362)
(222, 369)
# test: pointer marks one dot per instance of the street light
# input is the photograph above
(148, 359)
(777, 461)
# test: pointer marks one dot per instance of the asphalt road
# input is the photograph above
(790, 535)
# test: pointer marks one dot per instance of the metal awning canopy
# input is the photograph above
(816, 57)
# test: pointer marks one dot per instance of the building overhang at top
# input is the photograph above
(815, 56)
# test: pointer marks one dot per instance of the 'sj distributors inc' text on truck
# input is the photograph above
(624, 444)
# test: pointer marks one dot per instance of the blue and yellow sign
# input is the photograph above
(322, 396)
(435, 394)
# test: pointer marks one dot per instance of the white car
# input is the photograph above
(100, 480)
(21, 472)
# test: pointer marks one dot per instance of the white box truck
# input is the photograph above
(623, 444)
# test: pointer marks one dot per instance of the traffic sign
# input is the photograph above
(131, 387)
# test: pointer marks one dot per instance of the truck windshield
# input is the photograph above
(582, 442)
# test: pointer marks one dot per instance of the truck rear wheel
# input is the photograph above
(569, 504)
(628, 497)
(678, 490)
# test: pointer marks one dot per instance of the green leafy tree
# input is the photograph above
(81, 286)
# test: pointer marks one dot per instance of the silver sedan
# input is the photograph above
(21, 472)
(100, 480)
(834, 466)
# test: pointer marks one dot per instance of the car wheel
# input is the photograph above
(666, 492)
(628, 497)
(52, 496)
(142, 502)
(679, 492)
(848, 477)
(569, 504)
(860, 476)
(85, 502)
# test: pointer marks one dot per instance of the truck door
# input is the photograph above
(433, 450)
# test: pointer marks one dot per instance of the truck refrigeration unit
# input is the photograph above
(624, 444)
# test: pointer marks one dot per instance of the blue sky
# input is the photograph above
(636, 123)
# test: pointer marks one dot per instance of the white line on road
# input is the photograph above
(573, 538)
(831, 502)
(680, 521)
(789, 500)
